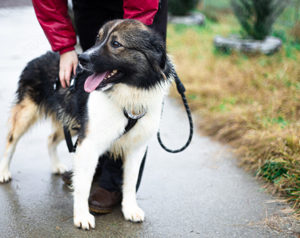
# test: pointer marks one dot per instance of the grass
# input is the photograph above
(251, 102)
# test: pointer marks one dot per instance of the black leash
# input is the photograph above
(181, 90)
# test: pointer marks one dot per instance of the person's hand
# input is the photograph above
(67, 64)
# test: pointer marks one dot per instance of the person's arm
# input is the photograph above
(142, 10)
(54, 19)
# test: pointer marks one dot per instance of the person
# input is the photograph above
(89, 16)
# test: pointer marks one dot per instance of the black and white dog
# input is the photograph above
(126, 71)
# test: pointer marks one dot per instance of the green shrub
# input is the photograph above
(258, 16)
(273, 170)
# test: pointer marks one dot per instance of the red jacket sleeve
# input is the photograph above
(142, 10)
(54, 19)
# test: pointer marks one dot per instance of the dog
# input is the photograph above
(127, 71)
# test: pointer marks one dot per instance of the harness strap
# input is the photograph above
(68, 138)
(131, 122)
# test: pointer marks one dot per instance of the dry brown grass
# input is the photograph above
(250, 102)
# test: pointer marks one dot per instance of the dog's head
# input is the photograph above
(126, 51)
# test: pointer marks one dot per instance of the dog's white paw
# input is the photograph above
(133, 213)
(85, 221)
(5, 176)
(59, 168)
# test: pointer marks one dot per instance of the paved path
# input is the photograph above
(198, 193)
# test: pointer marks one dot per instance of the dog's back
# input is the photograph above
(38, 77)
(39, 85)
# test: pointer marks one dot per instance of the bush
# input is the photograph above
(181, 7)
(258, 16)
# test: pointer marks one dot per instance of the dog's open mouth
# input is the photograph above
(97, 80)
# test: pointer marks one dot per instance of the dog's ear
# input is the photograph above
(164, 66)
(155, 52)
(160, 50)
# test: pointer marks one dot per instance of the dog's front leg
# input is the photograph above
(130, 208)
(85, 162)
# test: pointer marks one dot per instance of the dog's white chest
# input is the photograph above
(106, 118)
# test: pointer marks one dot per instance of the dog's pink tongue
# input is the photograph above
(93, 81)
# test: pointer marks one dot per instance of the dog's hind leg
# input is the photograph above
(23, 115)
(53, 140)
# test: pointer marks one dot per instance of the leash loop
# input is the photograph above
(181, 90)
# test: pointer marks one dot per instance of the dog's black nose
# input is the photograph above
(84, 59)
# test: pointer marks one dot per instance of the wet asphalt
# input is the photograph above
(198, 193)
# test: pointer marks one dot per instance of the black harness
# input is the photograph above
(132, 120)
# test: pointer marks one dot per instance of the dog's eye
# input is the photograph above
(115, 44)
